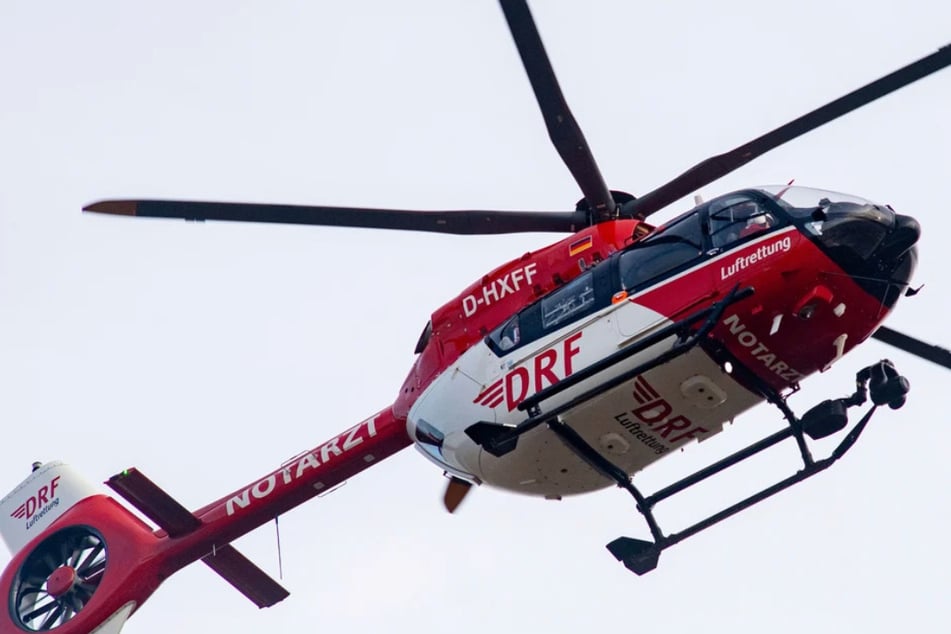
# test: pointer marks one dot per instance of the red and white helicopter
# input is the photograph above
(561, 372)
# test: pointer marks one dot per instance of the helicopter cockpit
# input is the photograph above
(735, 217)
(872, 243)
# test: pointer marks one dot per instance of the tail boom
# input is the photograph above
(140, 558)
(212, 527)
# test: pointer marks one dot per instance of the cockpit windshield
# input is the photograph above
(872, 243)
(792, 198)
(824, 209)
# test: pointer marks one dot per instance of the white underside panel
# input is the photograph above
(632, 425)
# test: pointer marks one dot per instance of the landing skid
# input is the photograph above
(641, 556)
(826, 418)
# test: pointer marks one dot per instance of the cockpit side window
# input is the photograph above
(735, 218)
(579, 298)
(671, 248)
(424, 337)
(573, 300)
(509, 335)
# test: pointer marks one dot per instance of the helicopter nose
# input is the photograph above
(901, 238)
(874, 245)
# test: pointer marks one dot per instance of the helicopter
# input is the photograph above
(529, 358)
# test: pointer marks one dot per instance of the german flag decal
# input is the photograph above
(579, 246)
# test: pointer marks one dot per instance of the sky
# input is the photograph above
(207, 354)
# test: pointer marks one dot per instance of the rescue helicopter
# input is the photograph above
(564, 371)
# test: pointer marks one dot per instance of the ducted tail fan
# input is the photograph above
(57, 580)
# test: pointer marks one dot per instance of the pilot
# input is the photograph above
(510, 336)
(755, 224)
(739, 221)
(735, 220)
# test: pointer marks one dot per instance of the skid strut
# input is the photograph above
(828, 417)
(641, 556)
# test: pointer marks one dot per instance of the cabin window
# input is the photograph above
(424, 337)
(671, 248)
(580, 297)
(572, 300)
(509, 335)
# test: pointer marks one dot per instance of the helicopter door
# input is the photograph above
(743, 231)
(661, 276)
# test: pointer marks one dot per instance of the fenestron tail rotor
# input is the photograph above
(58, 579)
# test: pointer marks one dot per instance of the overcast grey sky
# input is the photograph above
(208, 354)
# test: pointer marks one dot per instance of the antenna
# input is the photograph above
(280, 561)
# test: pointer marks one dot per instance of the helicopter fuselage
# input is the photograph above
(793, 325)
(560, 372)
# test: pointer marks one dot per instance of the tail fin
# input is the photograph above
(49, 492)
(59, 527)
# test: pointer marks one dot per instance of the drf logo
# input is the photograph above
(41, 498)
(546, 368)
(653, 413)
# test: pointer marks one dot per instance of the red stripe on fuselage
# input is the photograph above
(786, 271)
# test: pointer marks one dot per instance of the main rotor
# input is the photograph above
(599, 203)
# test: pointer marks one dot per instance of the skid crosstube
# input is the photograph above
(640, 556)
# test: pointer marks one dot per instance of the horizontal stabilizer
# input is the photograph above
(157, 505)
(177, 521)
(247, 578)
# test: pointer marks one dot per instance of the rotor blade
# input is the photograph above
(457, 222)
(89, 559)
(935, 354)
(714, 167)
(40, 611)
(562, 127)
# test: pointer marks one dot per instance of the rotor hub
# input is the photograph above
(61, 581)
